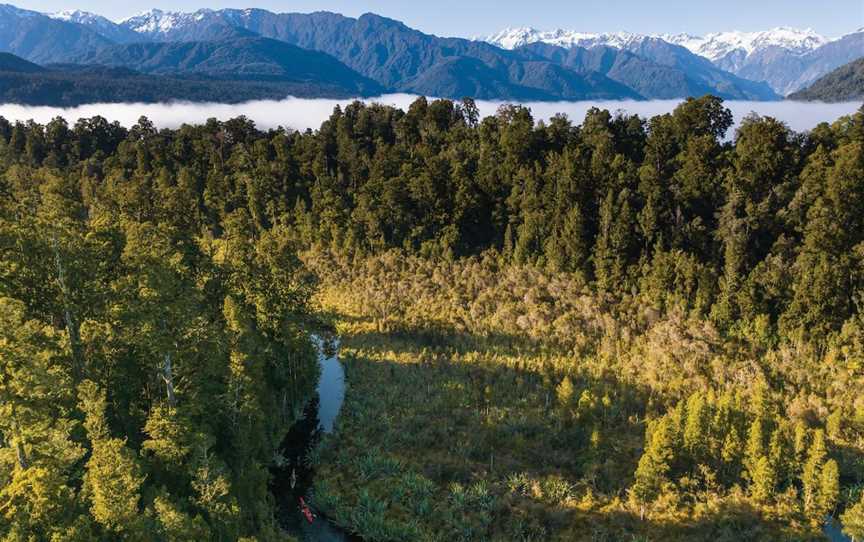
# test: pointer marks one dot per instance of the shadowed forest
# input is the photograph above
(622, 329)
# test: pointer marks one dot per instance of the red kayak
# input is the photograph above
(304, 508)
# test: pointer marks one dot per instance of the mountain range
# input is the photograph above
(787, 59)
(360, 44)
(327, 54)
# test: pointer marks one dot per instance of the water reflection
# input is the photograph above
(834, 533)
(331, 385)
(292, 475)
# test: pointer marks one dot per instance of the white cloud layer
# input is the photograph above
(299, 114)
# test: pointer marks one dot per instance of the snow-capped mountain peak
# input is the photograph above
(69, 15)
(81, 17)
(155, 22)
(512, 38)
(145, 15)
(719, 44)
(712, 46)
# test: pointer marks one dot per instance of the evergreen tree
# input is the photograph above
(755, 446)
(612, 251)
(853, 521)
(762, 480)
(731, 452)
(829, 487)
(114, 477)
(696, 428)
(811, 476)
(654, 464)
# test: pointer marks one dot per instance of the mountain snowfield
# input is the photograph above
(717, 45)
(711, 46)
(102, 25)
(513, 38)
(154, 22)
(782, 57)
(81, 17)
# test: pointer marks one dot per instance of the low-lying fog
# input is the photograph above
(300, 113)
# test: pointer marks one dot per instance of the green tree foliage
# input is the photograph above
(114, 477)
(135, 405)
(853, 520)
(829, 486)
(766, 460)
(655, 463)
(763, 479)
(156, 288)
(811, 476)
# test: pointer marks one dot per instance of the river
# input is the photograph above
(294, 477)
(834, 533)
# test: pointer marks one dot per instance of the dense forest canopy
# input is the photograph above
(156, 309)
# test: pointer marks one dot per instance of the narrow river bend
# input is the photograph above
(293, 477)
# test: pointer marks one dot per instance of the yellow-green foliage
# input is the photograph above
(853, 520)
(446, 386)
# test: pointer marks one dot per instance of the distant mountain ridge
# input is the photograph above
(663, 73)
(98, 24)
(714, 46)
(786, 58)
(718, 45)
(384, 50)
(247, 58)
(13, 64)
(393, 54)
(62, 85)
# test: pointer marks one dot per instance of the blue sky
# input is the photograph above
(471, 17)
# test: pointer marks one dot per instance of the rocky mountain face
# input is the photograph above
(669, 76)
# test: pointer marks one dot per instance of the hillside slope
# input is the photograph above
(39, 38)
(63, 85)
(844, 84)
(251, 58)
